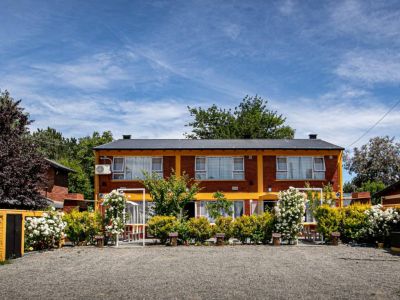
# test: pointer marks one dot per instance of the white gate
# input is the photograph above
(135, 227)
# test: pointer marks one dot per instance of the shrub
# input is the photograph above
(354, 223)
(182, 228)
(44, 232)
(262, 228)
(224, 225)
(162, 226)
(328, 220)
(82, 226)
(243, 228)
(199, 229)
(289, 213)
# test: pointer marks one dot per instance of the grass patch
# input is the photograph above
(5, 262)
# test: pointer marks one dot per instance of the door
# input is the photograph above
(13, 236)
(189, 209)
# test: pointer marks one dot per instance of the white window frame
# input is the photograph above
(123, 172)
(314, 171)
(218, 179)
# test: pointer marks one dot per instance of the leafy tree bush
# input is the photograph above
(328, 220)
(354, 223)
(372, 187)
(250, 120)
(170, 195)
(220, 207)
(162, 226)
(199, 229)
(22, 167)
(82, 226)
(182, 228)
(224, 225)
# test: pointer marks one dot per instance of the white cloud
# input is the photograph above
(286, 8)
(338, 119)
(375, 20)
(370, 66)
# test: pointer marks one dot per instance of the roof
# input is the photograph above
(59, 166)
(395, 186)
(244, 144)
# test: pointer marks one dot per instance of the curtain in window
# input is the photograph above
(225, 168)
(293, 168)
(237, 209)
(306, 167)
(134, 167)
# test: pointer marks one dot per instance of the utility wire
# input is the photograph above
(373, 126)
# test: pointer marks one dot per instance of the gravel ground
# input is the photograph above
(157, 272)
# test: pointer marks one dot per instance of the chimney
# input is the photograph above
(312, 136)
(126, 136)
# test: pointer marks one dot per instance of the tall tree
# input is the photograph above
(74, 153)
(250, 120)
(22, 167)
(378, 160)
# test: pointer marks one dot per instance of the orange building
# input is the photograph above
(249, 172)
(390, 196)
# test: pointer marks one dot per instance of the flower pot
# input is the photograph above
(381, 245)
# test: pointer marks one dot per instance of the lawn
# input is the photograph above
(258, 272)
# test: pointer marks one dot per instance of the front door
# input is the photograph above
(13, 236)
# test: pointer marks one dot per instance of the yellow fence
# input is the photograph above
(3, 228)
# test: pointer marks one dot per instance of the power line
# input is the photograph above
(373, 126)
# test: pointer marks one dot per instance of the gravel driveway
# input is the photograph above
(157, 272)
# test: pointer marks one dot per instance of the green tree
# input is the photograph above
(372, 187)
(170, 195)
(378, 160)
(74, 153)
(220, 207)
(250, 120)
(22, 167)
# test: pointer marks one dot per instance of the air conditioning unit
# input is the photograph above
(102, 169)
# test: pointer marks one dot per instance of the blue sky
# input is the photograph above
(332, 68)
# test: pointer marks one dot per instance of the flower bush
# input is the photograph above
(82, 226)
(161, 226)
(44, 232)
(199, 229)
(114, 218)
(380, 222)
(289, 213)
(328, 220)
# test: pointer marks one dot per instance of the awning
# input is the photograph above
(269, 196)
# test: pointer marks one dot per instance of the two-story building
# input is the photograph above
(249, 172)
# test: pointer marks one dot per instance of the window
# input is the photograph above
(217, 168)
(132, 167)
(300, 167)
(237, 210)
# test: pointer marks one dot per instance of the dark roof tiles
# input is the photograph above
(186, 144)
